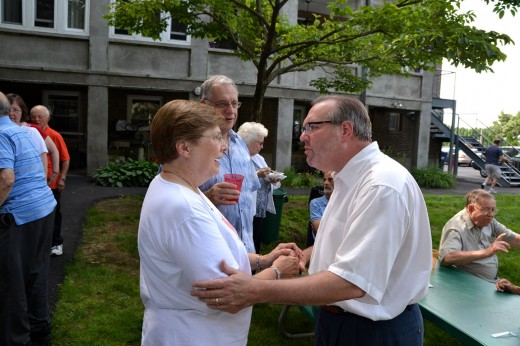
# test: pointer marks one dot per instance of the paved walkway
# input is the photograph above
(80, 195)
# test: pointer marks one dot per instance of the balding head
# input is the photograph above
(40, 116)
(4, 104)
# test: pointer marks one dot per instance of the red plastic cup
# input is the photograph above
(235, 179)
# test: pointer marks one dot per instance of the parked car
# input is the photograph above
(515, 161)
(464, 159)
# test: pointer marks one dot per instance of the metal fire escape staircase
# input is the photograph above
(510, 174)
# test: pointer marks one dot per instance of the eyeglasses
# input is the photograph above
(311, 125)
(224, 105)
(260, 143)
(486, 211)
(217, 137)
(15, 110)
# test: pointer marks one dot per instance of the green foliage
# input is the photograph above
(296, 179)
(391, 38)
(433, 178)
(507, 127)
(130, 173)
(397, 156)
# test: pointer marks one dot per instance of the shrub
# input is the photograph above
(433, 178)
(129, 173)
(305, 179)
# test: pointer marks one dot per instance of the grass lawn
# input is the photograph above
(99, 300)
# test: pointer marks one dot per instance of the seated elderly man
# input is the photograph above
(472, 238)
(317, 206)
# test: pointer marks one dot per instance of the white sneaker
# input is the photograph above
(57, 250)
(492, 191)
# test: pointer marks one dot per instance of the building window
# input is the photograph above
(394, 121)
(12, 11)
(141, 110)
(76, 14)
(65, 110)
(63, 16)
(175, 32)
(44, 17)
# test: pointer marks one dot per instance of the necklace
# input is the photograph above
(193, 187)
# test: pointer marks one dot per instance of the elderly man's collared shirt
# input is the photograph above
(30, 198)
(460, 234)
(238, 161)
(375, 233)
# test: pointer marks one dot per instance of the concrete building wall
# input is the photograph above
(148, 60)
(38, 51)
(99, 63)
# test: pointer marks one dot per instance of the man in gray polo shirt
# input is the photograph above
(472, 238)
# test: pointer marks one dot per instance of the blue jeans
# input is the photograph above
(350, 329)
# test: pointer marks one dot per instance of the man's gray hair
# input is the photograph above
(4, 105)
(349, 109)
(250, 131)
(478, 196)
(211, 82)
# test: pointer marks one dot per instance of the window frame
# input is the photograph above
(61, 10)
(48, 94)
(134, 98)
(394, 121)
(165, 36)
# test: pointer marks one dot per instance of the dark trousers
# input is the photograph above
(57, 239)
(350, 329)
(258, 226)
(24, 267)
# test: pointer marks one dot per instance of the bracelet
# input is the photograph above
(277, 271)
(258, 266)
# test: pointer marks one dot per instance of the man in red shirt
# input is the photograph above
(40, 116)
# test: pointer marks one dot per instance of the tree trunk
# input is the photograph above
(258, 98)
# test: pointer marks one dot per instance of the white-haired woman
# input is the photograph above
(253, 134)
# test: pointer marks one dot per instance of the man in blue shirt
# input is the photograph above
(221, 92)
(494, 158)
(317, 205)
(26, 220)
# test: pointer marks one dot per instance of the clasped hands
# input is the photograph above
(239, 290)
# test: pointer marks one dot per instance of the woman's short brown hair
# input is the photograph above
(180, 120)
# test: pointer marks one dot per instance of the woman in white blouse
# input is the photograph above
(183, 237)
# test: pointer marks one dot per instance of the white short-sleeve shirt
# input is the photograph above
(182, 238)
(375, 233)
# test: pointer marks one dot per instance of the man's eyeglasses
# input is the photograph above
(311, 125)
(224, 105)
(486, 211)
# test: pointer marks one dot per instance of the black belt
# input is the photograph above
(337, 310)
(332, 309)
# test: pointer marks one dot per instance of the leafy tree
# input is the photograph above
(383, 39)
(508, 126)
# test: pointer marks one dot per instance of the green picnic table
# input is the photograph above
(470, 308)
